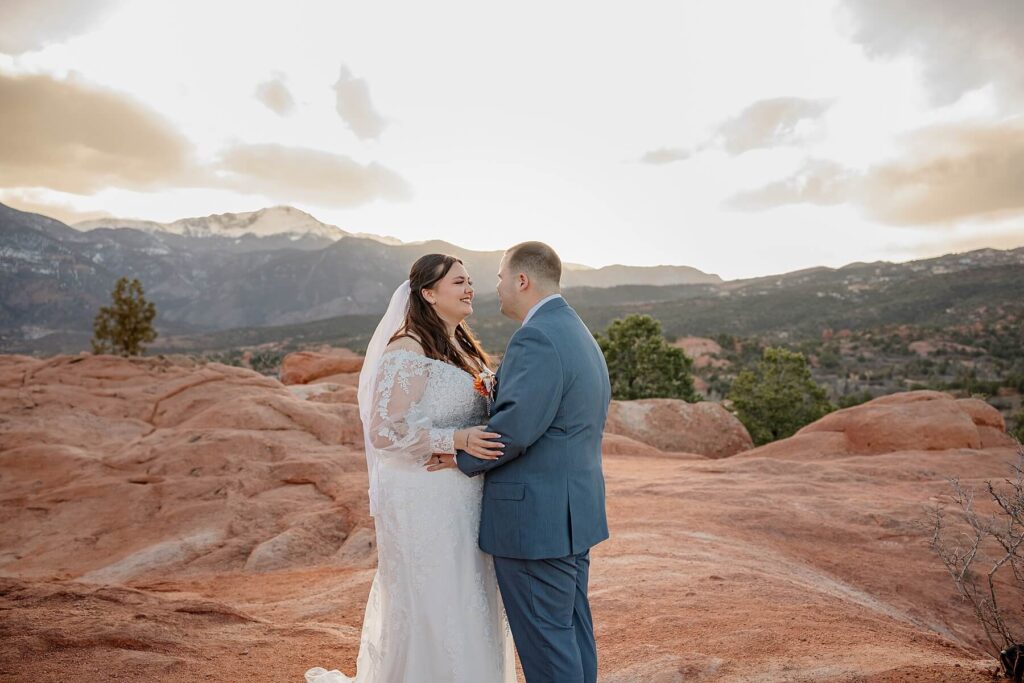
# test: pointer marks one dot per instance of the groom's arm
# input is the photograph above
(529, 394)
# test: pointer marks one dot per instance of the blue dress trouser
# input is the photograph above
(548, 611)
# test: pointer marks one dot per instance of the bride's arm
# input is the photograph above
(399, 427)
(528, 399)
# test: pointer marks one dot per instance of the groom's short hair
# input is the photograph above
(537, 260)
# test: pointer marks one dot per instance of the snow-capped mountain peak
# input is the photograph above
(275, 220)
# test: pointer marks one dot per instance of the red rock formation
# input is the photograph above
(989, 422)
(304, 367)
(325, 376)
(122, 469)
(326, 392)
(913, 420)
(702, 350)
(614, 444)
(673, 425)
(167, 521)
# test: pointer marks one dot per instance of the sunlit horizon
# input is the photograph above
(741, 139)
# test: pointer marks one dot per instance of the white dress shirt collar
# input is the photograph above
(540, 303)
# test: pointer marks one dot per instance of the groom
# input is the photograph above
(543, 500)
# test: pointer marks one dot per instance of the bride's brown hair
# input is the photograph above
(423, 324)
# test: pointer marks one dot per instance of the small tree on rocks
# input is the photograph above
(641, 364)
(123, 327)
(778, 396)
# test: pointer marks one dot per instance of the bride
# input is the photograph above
(434, 612)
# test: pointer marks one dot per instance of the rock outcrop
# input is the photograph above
(126, 469)
(702, 350)
(171, 521)
(303, 367)
(913, 420)
(668, 424)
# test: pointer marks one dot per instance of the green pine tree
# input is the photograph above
(778, 396)
(641, 364)
(126, 325)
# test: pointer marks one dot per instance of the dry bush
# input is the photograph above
(984, 555)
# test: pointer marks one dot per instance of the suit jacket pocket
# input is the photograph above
(500, 532)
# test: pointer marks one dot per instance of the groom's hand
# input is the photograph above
(441, 461)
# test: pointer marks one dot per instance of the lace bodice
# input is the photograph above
(419, 403)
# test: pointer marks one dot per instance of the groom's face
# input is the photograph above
(507, 290)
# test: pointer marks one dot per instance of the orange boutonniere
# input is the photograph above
(484, 383)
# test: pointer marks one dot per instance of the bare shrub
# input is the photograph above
(985, 557)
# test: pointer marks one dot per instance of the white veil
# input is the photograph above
(388, 325)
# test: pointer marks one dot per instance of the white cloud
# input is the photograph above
(74, 136)
(770, 123)
(354, 105)
(31, 24)
(961, 46)
(307, 175)
(944, 174)
(275, 95)
(666, 155)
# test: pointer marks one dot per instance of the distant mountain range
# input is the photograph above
(277, 266)
(982, 289)
(282, 279)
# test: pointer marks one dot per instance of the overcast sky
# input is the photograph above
(741, 138)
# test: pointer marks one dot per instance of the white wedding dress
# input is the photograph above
(434, 614)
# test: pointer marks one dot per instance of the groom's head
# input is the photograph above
(529, 271)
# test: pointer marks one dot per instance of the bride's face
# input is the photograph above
(452, 295)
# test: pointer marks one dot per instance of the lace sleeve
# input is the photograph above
(399, 427)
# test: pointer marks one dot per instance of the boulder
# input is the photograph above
(912, 420)
(303, 367)
(705, 428)
(125, 469)
(702, 350)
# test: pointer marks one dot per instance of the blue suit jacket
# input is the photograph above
(544, 497)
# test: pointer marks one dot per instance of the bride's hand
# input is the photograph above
(479, 443)
(441, 461)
